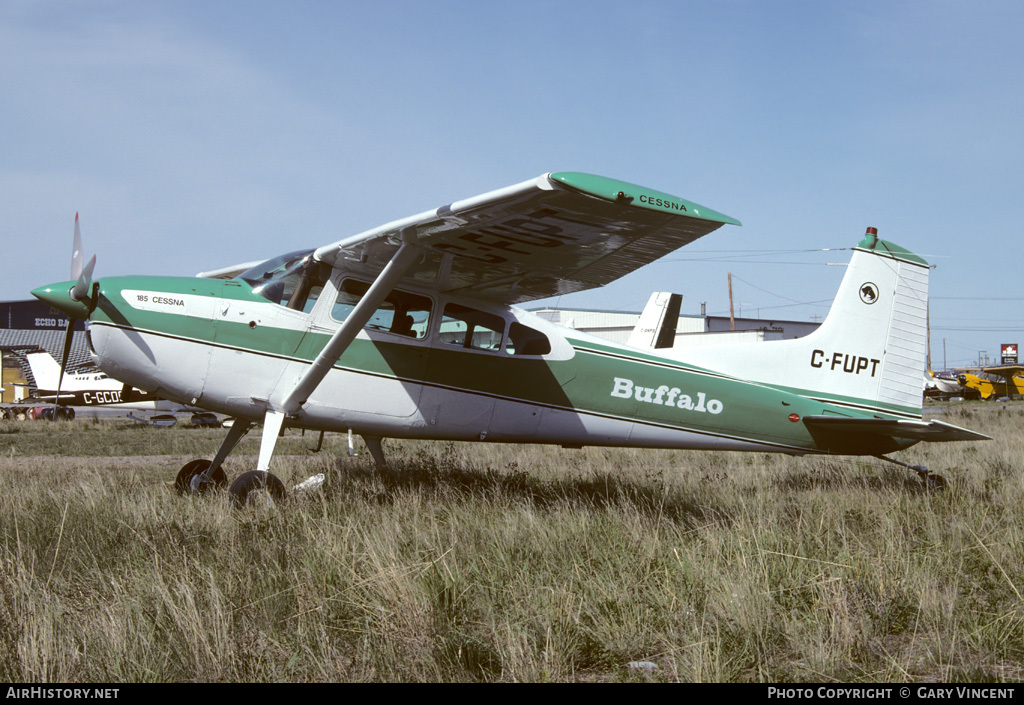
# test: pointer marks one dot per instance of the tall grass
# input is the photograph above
(484, 562)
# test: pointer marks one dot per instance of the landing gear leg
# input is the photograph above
(259, 483)
(376, 448)
(931, 480)
(201, 475)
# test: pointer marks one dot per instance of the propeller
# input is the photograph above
(63, 363)
(79, 292)
(76, 251)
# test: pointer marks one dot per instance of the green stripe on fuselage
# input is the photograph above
(599, 379)
(845, 402)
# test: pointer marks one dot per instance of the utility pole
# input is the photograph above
(928, 328)
(732, 320)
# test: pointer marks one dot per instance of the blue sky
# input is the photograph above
(194, 135)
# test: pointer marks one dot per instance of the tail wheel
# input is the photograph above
(256, 487)
(183, 483)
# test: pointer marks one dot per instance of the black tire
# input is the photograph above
(66, 413)
(183, 482)
(204, 419)
(256, 485)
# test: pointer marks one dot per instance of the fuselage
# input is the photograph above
(465, 370)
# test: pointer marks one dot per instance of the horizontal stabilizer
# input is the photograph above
(895, 428)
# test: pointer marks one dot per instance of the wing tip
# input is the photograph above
(628, 193)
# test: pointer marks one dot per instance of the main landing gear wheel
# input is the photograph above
(256, 487)
(183, 483)
(930, 480)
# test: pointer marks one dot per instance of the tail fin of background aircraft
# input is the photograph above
(657, 325)
(870, 350)
(45, 369)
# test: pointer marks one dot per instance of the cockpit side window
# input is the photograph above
(294, 280)
(401, 313)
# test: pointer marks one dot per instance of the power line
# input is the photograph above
(740, 256)
(972, 329)
(978, 298)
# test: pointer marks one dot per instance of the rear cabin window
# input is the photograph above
(471, 329)
(401, 313)
(523, 340)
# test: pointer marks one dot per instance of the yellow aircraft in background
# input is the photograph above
(993, 382)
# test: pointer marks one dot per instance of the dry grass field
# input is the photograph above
(510, 563)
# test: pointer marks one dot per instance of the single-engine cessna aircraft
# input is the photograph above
(410, 330)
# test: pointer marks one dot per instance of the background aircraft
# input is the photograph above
(85, 389)
(993, 382)
(412, 330)
(941, 385)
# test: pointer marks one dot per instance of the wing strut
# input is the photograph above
(406, 256)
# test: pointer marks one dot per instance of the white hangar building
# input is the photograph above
(617, 326)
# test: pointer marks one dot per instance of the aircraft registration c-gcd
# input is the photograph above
(411, 330)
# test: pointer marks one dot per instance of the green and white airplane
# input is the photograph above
(411, 330)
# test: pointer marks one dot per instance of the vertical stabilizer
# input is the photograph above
(657, 325)
(45, 370)
(868, 354)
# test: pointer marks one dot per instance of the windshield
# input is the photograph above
(293, 280)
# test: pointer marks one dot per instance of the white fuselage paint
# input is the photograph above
(366, 403)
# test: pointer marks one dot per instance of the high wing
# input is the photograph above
(556, 234)
(1007, 372)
